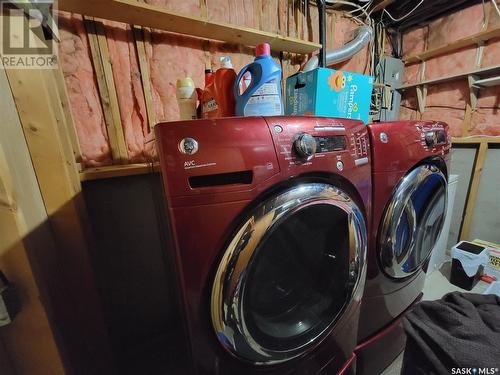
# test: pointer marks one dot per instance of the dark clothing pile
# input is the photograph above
(459, 333)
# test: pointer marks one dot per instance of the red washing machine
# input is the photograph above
(410, 164)
(268, 236)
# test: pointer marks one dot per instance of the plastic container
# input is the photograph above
(262, 97)
(186, 98)
(467, 264)
(217, 98)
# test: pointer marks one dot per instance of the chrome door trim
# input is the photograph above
(400, 204)
(227, 290)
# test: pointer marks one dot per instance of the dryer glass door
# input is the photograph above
(412, 221)
(289, 273)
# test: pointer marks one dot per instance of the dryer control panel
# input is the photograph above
(322, 142)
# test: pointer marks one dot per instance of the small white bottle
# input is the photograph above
(186, 98)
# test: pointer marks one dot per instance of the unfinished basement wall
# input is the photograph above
(448, 101)
(121, 80)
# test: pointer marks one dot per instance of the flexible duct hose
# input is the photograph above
(335, 56)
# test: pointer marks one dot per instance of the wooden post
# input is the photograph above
(30, 343)
(107, 90)
(65, 270)
(139, 35)
(69, 122)
(473, 189)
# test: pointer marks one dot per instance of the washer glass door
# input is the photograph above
(289, 272)
(412, 221)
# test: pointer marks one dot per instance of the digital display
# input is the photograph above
(440, 136)
(331, 143)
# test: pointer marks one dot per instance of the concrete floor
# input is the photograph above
(436, 286)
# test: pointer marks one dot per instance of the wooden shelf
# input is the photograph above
(477, 72)
(475, 140)
(118, 171)
(471, 40)
(487, 82)
(142, 14)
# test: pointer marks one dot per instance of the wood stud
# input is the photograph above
(107, 90)
(473, 190)
(141, 36)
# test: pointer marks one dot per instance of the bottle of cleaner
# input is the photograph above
(217, 98)
(209, 77)
(186, 98)
(263, 96)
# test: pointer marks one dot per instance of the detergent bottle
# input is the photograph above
(186, 98)
(217, 98)
(263, 96)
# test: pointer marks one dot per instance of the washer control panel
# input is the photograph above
(433, 136)
(325, 143)
(359, 144)
(330, 143)
(305, 146)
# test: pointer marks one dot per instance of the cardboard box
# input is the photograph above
(330, 93)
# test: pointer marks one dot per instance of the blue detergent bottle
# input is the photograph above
(263, 95)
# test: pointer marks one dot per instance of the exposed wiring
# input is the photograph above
(406, 15)
(496, 6)
(362, 9)
(366, 6)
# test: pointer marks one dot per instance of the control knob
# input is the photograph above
(305, 146)
(430, 139)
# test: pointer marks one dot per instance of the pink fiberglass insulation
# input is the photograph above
(236, 12)
(407, 113)
(415, 41)
(313, 25)
(485, 122)
(412, 73)
(460, 61)
(170, 57)
(128, 87)
(74, 55)
(164, 52)
(451, 94)
(240, 55)
(491, 53)
(189, 7)
(269, 18)
(409, 99)
(446, 102)
(452, 116)
(485, 117)
(455, 26)
(283, 17)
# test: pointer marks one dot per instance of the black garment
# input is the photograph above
(461, 330)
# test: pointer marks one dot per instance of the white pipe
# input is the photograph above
(335, 56)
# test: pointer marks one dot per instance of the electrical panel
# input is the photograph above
(391, 71)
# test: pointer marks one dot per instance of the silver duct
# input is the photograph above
(335, 56)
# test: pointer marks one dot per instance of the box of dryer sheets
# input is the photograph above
(330, 93)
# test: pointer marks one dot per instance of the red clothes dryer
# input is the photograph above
(268, 235)
(409, 176)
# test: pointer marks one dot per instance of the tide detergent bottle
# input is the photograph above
(217, 98)
(263, 96)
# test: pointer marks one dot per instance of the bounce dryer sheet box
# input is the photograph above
(330, 93)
